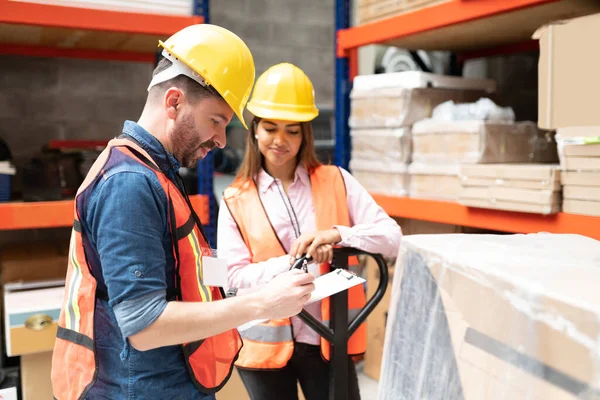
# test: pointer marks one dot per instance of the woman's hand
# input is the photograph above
(318, 245)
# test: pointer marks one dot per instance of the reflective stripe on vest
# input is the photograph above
(270, 345)
(74, 365)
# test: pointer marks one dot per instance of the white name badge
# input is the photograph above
(214, 271)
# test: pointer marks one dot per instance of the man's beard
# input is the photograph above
(186, 142)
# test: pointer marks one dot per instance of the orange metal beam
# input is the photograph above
(428, 18)
(39, 51)
(59, 214)
(353, 63)
(17, 12)
(505, 221)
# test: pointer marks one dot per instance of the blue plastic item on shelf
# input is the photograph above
(5, 182)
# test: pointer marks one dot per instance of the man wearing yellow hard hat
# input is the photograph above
(140, 320)
(282, 205)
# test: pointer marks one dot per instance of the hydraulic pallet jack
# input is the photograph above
(340, 331)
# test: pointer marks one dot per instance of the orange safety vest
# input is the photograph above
(270, 345)
(74, 363)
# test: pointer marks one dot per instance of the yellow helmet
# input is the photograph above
(212, 56)
(284, 92)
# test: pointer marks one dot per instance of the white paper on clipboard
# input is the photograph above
(325, 286)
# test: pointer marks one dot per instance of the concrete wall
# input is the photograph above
(45, 98)
(300, 32)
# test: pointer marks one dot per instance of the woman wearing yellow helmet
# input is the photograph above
(284, 204)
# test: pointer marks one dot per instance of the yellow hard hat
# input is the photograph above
(284, 92)
(220, 58)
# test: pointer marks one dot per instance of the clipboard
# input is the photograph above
(325, 286)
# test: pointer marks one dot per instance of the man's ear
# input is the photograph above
(174, 98)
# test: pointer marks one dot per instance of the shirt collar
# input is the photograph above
(264, 180)
(165, 160)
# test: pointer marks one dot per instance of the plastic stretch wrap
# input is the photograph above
(494, 317)
(478, 142)
(381, 177)
(387, 145)
(434, 181)
(483, 109)
(165, 7)
(403, 98)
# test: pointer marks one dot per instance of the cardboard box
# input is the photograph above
(573, 192)
(580, 178)
(516, 206)
(520, 176)
(36, 261)
(580, 163)
(570, 132)
(568, 73)
(35, 376)
(582, 207)
(403, 98)
(532, 188)
(376, 321)
(481, 142)
(381, 178)
(31, 318)
(493, 317)
(382, 145)
(434, 181)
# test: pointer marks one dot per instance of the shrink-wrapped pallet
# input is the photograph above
(493, 317)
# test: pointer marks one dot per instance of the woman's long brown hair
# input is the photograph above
(253, 158)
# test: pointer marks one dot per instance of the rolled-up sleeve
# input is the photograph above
(127, 217)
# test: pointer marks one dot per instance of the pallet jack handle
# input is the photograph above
(340, 331)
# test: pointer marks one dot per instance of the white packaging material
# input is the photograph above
(483, 109)
(419, 79)
(389, 145)
(163, 7)
(379, 177)
(493, 317)
(7, 168)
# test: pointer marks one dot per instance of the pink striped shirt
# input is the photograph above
(371, 230)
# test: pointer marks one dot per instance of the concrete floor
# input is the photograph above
(368, 387)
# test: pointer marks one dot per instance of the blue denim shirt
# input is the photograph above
(125, 221)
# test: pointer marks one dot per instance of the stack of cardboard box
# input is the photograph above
(493, 317)
(383, 108)
(579, 150)
(568, 103)
(532, 188)
(441, 147)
